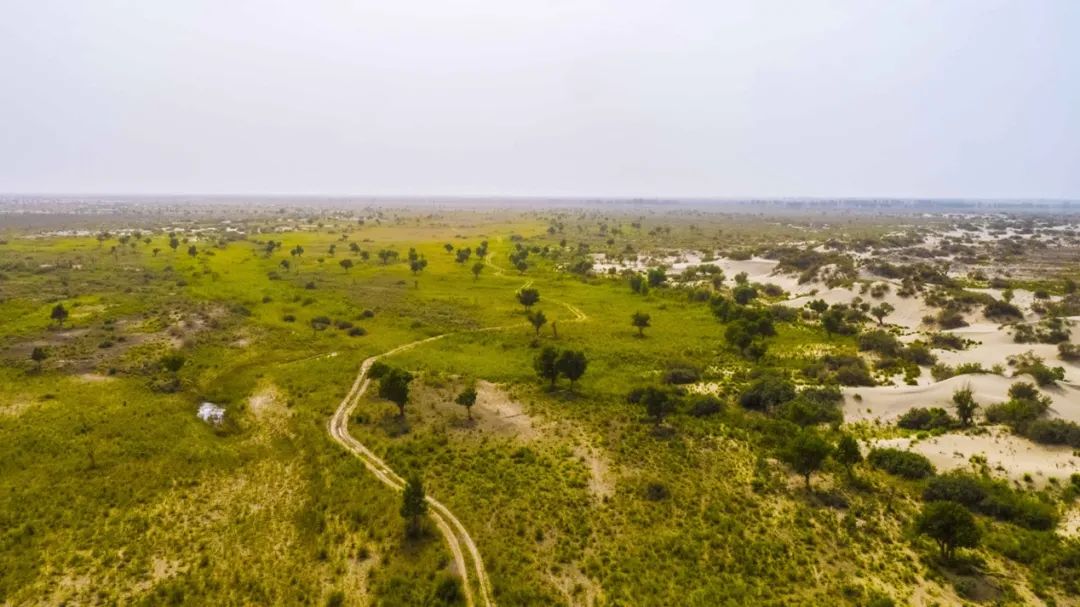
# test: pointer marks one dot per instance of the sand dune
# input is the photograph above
(887, 403)
(1006, 454)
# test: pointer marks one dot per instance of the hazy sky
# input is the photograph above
(558, 97)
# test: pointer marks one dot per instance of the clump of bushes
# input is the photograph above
(901, 463)
(921, 418)
(992, 498)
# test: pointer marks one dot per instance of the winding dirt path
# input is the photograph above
(455, 533)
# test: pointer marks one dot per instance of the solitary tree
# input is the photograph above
(413, 505)
(346, 264)
(965, 405)
(192, 251)
(174, 243)
(417, 265)
(394, 387)
(805, 453)
(467, 399)
(848, 453)
(449, 247)
(546, 365)
(950, 525)
(882, 310)
(38, 355)
(528, 297)
(537, 320)
(59, 314)
(641, 321)
(571, 365)
(638, 284)
(477, 268)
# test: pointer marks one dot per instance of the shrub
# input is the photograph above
(704, 405)
(1068, 351)
(901, 463)
(680, 373)
(880, 341)
(997, 309)
(767, 392)
(921, 418)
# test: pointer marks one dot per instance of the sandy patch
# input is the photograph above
(1007, 455)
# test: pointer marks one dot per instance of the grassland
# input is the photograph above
(112, 491)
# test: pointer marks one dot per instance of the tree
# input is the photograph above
(467, 399)
(385, 255)
(744, 294)
(656, 277)
(641, 321)
(463, 255)
(805, 453)
(174, 243)
(638, 284)
(156, 251)
(658, 402)
(192, 251)
(346, 264)
(847, 452)
(546, 365)
(394, 387)
(477, 268)
(882, 310)
(413, 505)
(528, 297)
(59, 314)
(571, 365)
(537, 320)
(950, 525)
(449, 247)
(832, 320)
(521, 265)
(417, 265)
(38, 355)
(965, 405)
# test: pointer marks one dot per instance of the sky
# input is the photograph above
(615, 98)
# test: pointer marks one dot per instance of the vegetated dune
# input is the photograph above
(1006, 454)
(887, 403)
(995, 344)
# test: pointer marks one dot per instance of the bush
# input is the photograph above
(1054, 432)
(767, 392)
(682, 374)
(921, 418)
(880, 341)
(901, 463)
(1002, 310)
(704, 405)
(956, 487)
(1068, 351)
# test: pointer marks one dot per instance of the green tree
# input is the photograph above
(174, 243)
(964, 400)
(537, 320)
(571, 365)
(638, 284)
(848, 453)
(394, 387)
(346, 264)
(467, 399)
(477, 268)
(656, 277)
(641, 321)
(59, 314)
(546, 365)
(417, 265)
(950, 525)
(528, 297)
(882, 310)
(806, 452)
(192, 251)
(413, 505)
(449, 247)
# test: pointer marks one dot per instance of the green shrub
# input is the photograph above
(901, 463)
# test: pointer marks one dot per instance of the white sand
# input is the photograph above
(1006, 454)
